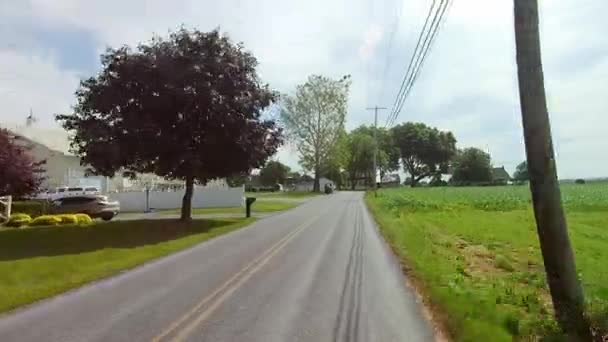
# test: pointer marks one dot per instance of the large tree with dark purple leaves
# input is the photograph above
(184, 107)
(20, 175)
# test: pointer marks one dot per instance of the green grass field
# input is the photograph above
(257, 207)
(475, 253)
(37, 263)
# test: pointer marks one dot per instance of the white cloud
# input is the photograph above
(33, 81)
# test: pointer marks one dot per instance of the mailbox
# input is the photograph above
(248, 202)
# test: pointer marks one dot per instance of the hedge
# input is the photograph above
(68, 219)
(83, 219)
(46, 220)
(17, 220)
(22, 220)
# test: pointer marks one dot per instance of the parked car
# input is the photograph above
(65, 191)
(96, 206)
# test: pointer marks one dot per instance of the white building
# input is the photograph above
(309, 185)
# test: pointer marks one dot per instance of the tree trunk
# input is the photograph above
(187, 200)
(551, 224)
(317, 186)
(414, 182)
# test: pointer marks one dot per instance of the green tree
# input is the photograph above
(360, 157)
(521, 172)
(335, 164)
(388, 152)
(314, 120)
(472, 165)
(294, 175)
(185, 107)
(273, 173)
(425, 151)
(238, 179)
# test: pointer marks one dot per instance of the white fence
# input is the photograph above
(5, 208)
(202, 198)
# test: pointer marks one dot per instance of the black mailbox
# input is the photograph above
(248, 202)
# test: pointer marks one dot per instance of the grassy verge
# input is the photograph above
(480, 264)
(37, 263)
(284, 194)
(257, 207)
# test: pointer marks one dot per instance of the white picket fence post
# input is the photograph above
(6, 203)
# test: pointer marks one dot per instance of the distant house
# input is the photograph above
(308, 184)
(60, 168)
(500, 175)
(390, 180)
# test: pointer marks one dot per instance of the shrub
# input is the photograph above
(18, 220)
(579, 181)
(68, 219)
(46, 220)
(33, 208)
(84, 219)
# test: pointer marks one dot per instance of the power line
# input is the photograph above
(409, 68)
(426, 39)
(430, 39)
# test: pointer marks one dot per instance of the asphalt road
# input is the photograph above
(319, 272)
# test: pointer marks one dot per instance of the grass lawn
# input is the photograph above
(257, 207)
(284, 194)
(476, 255)
(36, 263)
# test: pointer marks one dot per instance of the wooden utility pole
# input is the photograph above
(558, 257)
(375, 109)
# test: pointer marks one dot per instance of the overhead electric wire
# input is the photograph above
(429, 36)
(409, 68)
(427, 46)
(423, 46)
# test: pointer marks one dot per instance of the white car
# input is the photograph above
(66, 191)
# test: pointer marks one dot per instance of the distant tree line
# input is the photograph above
(426, 154)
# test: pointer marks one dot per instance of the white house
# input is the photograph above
(309, 185)
(63, 169)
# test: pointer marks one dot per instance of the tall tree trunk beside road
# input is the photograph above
(186, 214)
(317, 184)
(558, 256)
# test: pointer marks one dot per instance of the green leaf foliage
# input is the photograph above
(472, 165)
(314, 120)
(425, 151)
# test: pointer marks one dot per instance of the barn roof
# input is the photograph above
(499, 173)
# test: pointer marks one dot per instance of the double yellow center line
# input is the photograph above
(186, 324)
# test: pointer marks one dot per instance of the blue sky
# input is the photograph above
(468, 84)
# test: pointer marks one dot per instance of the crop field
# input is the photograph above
(474, 252)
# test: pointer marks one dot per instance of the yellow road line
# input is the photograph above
(252, 268)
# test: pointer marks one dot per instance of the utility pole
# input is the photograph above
(558, 257)
(375, 109)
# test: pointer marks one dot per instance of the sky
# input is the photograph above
(468, 84)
